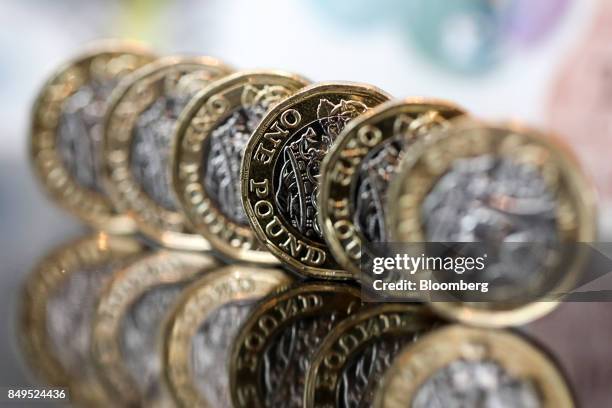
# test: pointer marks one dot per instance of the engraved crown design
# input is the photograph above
(264, 96)
(413, 128)
(379, 167)
(228, 142)
(333, 118)
(297, 193)
(285, 363)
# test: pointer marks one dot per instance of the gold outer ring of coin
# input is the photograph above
(351, 336)
(92, 207)
(303, 255)
(203, 115)
(417, 362)
(229, 284)
(50, 273)
(266, 322)
(125, 289)
(424, 166)
(339, 171)
(134, 95)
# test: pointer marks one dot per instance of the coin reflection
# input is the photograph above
(57, 311)
(459, 366)
(276, 345)
(203, 325)
(351, 359)
(129, 321)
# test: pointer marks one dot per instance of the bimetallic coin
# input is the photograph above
(200, 331)
(515, 191)
(281, 166)
(129, 320)
(66, 131)
(459, 366)
(356, 173)
(274, 348)
(139, 127)
(209, 145)
(58, 308)
(352, 358)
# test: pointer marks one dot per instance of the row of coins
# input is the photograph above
(123, 325)
(263, 167)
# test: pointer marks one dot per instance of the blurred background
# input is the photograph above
(544, 62)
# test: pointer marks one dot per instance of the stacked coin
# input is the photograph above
(256, 201)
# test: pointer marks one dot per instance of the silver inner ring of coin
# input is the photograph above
(210, 351)
(223, 157)
(361, 376)
(151, 148)
(69, 316)
(505, 205)
(373, 177)
(297, 170)
(287, 359)
(80, 133)
(483, 384)
(140, 336)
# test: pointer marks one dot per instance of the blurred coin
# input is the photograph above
(139, 126)
(513, 190)
(209, 145)
(274, 348)
(66, 131)
(356, 173)
(202, 327)
(350, 361)
(459, 366)
(58, 308)
(280, 171)
(129, 320)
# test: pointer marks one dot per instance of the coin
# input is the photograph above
(129, 320)
(274, 348)
(209, 145)
(353, 357)
(280, 171)
(138, 129)
(201, 328)
(66, 131)
(58, 305)
(458, 366)
(514, 189)
(356, 173)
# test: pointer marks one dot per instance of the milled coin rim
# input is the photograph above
(521, 359)
(50, 272)
(216, 88)
(269, 304)
(127, 286)
(124, 190)
(314, 90)
(194, 307)
(350, 322)
(380, 112)
(99, 210)
(586, 210)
